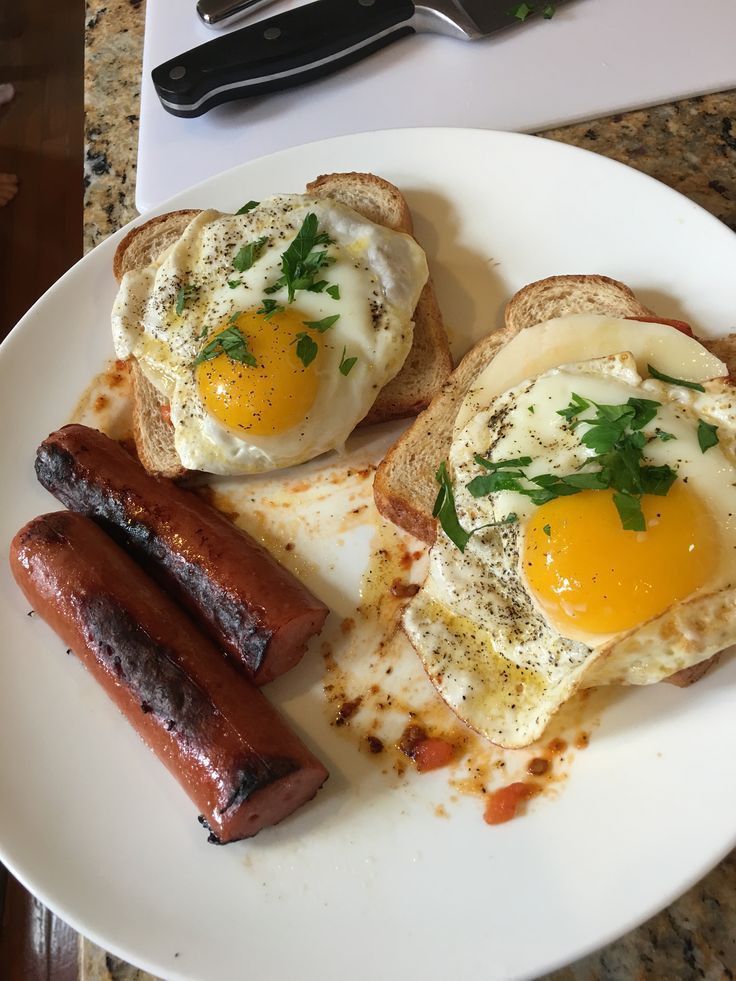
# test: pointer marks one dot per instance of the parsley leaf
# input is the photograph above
(577, 405)
(521, 461)
(629, 510)
(521, 11)
(707, 435)
(547, 530)
(302, 259)
(247, 207)
(269, 307)
(444, 509)
(660, 376)
(306, 349)
(346, 364)
(548, 11)
(656, 480)
(247, 254)
(234, 283)
(664, 436)
(324, 324)
(615, 436)
(184, 295)
(334, 291)
(500, 480)
(231, 342)
(597, 480)
(644, 411)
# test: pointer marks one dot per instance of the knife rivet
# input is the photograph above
(176, 73)
(271, 33)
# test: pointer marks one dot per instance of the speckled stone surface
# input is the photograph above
(689, 145)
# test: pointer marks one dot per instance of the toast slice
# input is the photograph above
(423, 374)
(404, 487)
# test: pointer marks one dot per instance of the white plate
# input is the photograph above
(366, 882)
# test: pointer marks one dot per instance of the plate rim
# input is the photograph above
(106, 247)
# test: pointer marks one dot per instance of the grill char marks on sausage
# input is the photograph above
(213, 729)
(258, 611)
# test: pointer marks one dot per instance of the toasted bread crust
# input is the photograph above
(153, 435)
(560, 296)
(145, 243)
(424, 372)
(373, 197)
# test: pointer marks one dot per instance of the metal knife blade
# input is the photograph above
(314, 40)
(223, 13)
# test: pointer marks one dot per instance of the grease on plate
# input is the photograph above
(376, 693)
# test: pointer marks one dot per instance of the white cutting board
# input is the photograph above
(594, 57)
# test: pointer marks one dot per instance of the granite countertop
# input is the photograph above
(689, 145)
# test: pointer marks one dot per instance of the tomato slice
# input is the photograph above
(503, 805)
(677, 324)
(430, 754)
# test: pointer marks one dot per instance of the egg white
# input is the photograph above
(486, 643)
(379, 273)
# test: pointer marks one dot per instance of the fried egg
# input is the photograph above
(550, 597)
(271, 332)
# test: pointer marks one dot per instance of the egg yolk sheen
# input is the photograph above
(590, 574)
(271, 397)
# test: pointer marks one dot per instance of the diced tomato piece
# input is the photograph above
(503, 805)
(430, 754)
(166, 413)
(677, 324)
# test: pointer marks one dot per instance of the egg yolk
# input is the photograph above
(271, 397)
(586, 571)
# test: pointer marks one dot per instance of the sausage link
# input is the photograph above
(257, 610)
(215, 732)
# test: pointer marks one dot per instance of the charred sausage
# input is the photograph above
(215, 732)
(257, 610)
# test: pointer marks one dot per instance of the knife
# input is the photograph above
(314, 40)
(221, 13)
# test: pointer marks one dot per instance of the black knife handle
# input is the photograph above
(279, 52)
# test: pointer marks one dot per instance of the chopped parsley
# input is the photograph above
(247, 254)
(324, 324)
(234, 283)
(346, 364)
(547, 530)
(306, 348)
(444, 510)
(232, 342)
(247, 207)
(660, 376)
(303, 259)
(615, 437)
(269, 307)
(707, 435)
(183, 295)
(521, 11)
(664, 436)
(334, 291)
